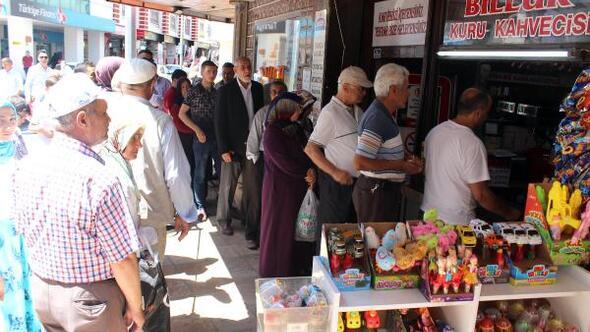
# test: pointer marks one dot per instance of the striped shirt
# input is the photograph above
(379, 138)
(73, 214)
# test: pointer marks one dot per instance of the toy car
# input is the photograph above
(481, 228)
(353, 320)
(466, 235)
(520, 234)
(506, 231)
(534, 238)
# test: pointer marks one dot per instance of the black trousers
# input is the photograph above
(252, 184)
(187, 146)
(377, 200)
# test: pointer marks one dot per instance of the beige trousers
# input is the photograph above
(98, 306)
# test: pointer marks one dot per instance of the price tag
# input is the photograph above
(297, 327)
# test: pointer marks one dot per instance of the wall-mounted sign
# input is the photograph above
(71, 13)
(500, 22)
(155, 21)
(270, 27)
(187, 30)
(400, 23)
(173, 25)
(318, 56)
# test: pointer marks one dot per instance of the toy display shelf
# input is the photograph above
(569, 296)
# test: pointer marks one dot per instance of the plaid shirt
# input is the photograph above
(72, 213)
(202, 107)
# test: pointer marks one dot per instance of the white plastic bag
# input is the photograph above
(307, 219)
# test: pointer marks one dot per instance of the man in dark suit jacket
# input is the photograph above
(237, 102)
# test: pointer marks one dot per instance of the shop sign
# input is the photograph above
(173, 25)
(400, 23)
(319, 51)
(155, 21)
(76, 15)
(270, 27)
(498, 22)
(188, 26)
(4, 9)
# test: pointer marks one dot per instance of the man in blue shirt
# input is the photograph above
(380, 157)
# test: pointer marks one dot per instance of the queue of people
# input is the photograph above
(130, 152)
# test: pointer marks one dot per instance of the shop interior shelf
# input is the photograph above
(389, 300)
(571, 281)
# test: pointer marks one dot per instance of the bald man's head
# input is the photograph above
(473, 99)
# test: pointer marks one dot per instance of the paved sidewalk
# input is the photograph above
(211, 280)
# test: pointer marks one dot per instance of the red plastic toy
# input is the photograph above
(372, 320)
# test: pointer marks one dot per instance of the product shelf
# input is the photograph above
(571, 281)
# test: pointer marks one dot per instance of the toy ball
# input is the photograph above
(485, 325)
(555, 325)
(389, 240)
(503, 325)
(384, 260)
(515, 310)
(493, 313)
(372, 238)
(502, 306)
(523, 325)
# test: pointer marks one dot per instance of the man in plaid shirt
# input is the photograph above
(77, 226)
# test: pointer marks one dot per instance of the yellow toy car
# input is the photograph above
(353, 320)
(466, 235)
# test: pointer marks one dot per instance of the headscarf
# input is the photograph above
(285, 105)
(571, 147)
(120, 134)
(105, 69)
(15, 147)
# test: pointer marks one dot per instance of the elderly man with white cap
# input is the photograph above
(336, 133)
(76, 224)
(161, 169)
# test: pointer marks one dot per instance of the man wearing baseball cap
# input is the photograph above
(336, 134)
(161, 169)
(72, 211)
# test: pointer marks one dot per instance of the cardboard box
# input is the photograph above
(561, 252)
(351, 279)
(390, 279)
(490, 273)
(534, 272)
(440, 297)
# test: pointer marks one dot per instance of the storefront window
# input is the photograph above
(283, 48)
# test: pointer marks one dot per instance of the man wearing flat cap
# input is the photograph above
(161, 169)
(79, 233)
(332, 144)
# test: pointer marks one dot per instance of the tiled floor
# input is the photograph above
(211, 280)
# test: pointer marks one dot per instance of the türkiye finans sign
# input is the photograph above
(497, 22)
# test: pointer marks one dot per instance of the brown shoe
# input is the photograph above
(227, 230)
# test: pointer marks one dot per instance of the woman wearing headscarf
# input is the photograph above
(16, 305)
(172, 103)
(287, 175)
(123, 145)
(105, 69)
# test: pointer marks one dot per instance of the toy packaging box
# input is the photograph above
(439, 297)
(561, 252)
(351, 279)
(489, 272)
(533, 272)
(385, 280)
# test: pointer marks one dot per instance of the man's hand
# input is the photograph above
(135, 319)
(201, 136)
(227, 157)
(342, 177)
(181, 226)
(310, 178)
(1, 289)
(412, 168)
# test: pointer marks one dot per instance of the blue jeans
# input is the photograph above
(203, 152)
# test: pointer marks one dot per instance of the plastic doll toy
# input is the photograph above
(470, 277)
(439, 280)
(372, 319)
(353, 320)
(372, 238)
(561, 209)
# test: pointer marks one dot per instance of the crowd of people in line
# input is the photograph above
(123, 152)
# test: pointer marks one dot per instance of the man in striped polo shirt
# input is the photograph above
(380, 155)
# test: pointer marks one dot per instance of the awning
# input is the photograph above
(213, 10)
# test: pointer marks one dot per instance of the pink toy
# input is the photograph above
(470, 277)
(582, 231)
(425, 228)
(454, 270)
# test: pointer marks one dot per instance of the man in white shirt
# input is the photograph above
(11, 80)
(456, 165)
(162, 84)
(161, 169)
(336, 134)
(36, 76)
